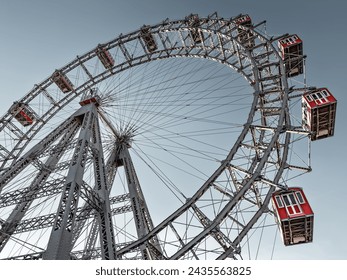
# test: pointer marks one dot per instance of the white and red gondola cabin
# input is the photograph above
(245, 36)
(148, 38)
(22, 113)
(294, 215)
(291, 48)
(194, 22)
(62, 81)
(105, 57)
(319, 113)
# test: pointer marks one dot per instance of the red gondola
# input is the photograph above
(62, 81)
(294, 215)
(148, 38)
(193, 21)
(105, 57)
(22, 113)
(245, 37)
(291, 48)
(319, 113)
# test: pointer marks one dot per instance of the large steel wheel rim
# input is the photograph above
(245, 177)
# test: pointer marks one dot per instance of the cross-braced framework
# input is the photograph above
(164, 143)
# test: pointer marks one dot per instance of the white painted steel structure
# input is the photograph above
(58, 175)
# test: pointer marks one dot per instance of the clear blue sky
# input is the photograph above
(38, 36)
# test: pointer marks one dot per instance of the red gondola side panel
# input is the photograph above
(23, 113)
(294, 216)
(62, 81)
(105, 57)
(291, 48)
(148, 38)
(243, 20)
(245, 36)
(194, 22)
(319, 113)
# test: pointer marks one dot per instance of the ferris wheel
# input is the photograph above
(176, 141)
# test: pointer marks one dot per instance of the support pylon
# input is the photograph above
(60, 242)
(143, 221)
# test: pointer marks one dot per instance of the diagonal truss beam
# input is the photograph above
(82, 214)
(28, 158)
(20, 210)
